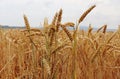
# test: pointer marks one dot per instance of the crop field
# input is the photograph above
(55, 52)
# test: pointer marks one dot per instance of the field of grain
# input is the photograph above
(55, 52)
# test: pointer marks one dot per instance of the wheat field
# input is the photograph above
(55, 52)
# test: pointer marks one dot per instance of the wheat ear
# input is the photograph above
(45, 25)
(46, 66)
(86, 13)
(70, 24)
(54, 19)
(58, 48)
(90, 29)
(67, 32)
(26, 22)
(104, 29)
(52, 35)
(59, 19)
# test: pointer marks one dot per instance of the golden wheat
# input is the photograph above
(55, 19)
(59, 19)
(86, 13)
(35, 54)
(70, 24)
(67, 32)
(26, 22)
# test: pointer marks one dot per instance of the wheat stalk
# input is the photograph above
(7, 63)
(50, 31)
(111, 37)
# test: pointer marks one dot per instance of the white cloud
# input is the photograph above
(106, 12)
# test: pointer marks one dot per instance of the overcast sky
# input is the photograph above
(106, 11)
